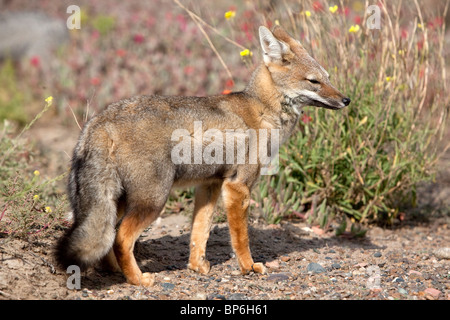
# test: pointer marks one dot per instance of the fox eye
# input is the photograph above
(313, 81)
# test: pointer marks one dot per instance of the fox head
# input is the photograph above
(296, 74)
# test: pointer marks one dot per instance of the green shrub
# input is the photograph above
(364, 162)
(29, 205)
(12, 99)
(275, 198)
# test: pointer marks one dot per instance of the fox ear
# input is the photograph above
(273, 48)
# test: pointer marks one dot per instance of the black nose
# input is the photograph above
(346, 101)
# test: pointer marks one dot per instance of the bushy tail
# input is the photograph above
(94, 188)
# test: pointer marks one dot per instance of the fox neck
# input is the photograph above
(280, 110)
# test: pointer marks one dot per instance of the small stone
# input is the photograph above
(442, 253)
(377, 254)
(285, 258)
(336, 266)
(398, 279)
(237, 296)
(431, 292)
(273, 264)
(167, 286)
(413, 274)
(315, 268)
(402, 291)
(361, 265)
(216, 297)
(200, 296)
(275, 277)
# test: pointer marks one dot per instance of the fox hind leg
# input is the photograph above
(131, 227)
(205, 201)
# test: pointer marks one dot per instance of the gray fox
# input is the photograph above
(123, 167)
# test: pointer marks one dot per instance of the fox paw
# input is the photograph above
(147, 279)
(259, 268)
(202, 267)
(256, 268)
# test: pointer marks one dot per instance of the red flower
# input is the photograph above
(345, 11)
(35, 61)
(188, 70)
(138, 38)
(95, 34)
(182, 22)
(317, 6)
(121, 52)
(229, 83)
(306, 119)
(95, 81)
(404, 33)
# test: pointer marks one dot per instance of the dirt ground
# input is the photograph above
(408, 261)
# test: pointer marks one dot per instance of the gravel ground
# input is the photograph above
(408, 262)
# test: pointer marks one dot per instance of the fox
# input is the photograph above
(122, 170)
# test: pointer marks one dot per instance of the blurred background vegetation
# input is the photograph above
(362, 164)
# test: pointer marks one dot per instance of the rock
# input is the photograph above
(215, 296)
(315, 268)
(431, 292)
(442, 253)
(275, 277)
(273, 264)
(167, 286)
(285, 258)
(361, 265)
(237, 296)
(413, 274)
(336, 266)
(31, 35)
(402, 291)
(398, 279)
(377, 254)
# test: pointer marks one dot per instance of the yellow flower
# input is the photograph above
(354, 29)
(229, 14)
(308, 13)
(36, 173)
(48, 209)
(420, 26)
(388, 79)
(363, 121)
(36, 197)
(401, 52)
(245, 53)
(277, 23)
(333, 9)
(49, 99)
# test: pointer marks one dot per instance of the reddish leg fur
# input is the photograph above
(205, 202)
(130, 229)
(236, 197)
